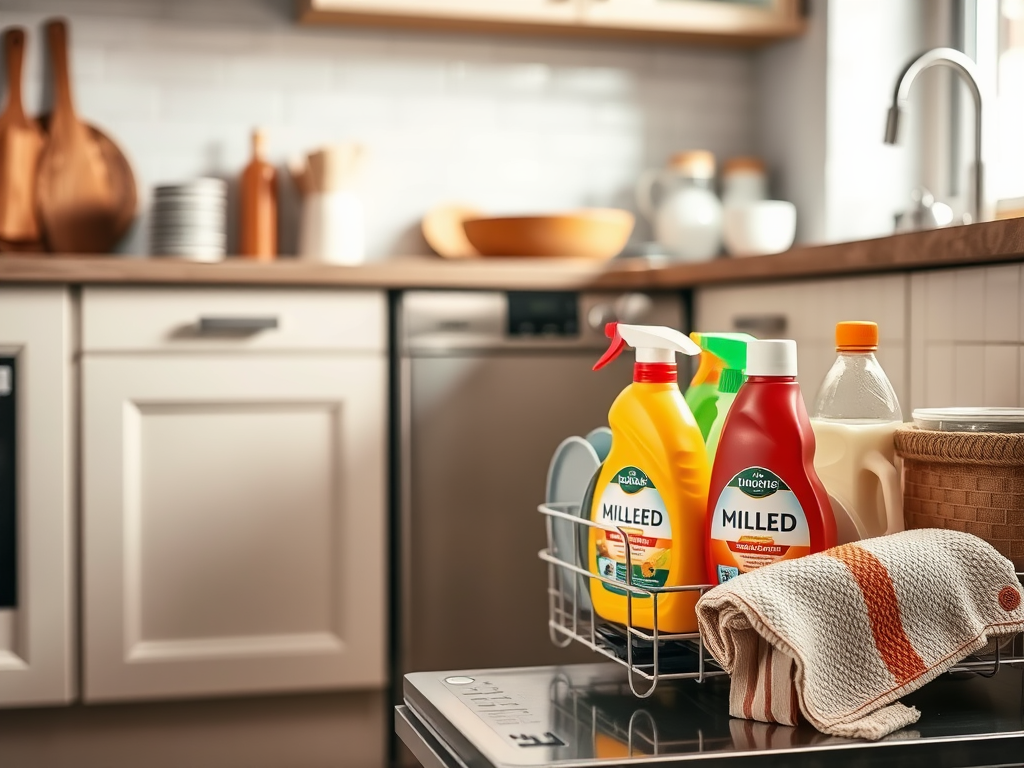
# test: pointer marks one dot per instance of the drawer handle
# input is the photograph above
(237, 324)
(760, 325)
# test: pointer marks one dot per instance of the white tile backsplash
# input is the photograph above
(940, 288)
(1000, 375)
(939, 381)
(1020, 382)
(1002, 303)
(505, 123)
(966, 348)
(969, 376)
(968, 313)
(1020, 307)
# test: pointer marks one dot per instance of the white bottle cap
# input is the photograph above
(771, 357)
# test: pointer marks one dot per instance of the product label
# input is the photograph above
(757, 521)
(632, 503)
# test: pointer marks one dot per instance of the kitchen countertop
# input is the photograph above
(987, 243)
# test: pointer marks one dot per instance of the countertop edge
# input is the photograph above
(969, 245)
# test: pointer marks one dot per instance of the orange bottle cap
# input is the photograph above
(857, 336)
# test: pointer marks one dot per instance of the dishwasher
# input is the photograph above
(489, 383)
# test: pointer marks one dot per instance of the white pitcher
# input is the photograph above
(680, 203)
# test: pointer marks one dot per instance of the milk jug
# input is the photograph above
(855, 415)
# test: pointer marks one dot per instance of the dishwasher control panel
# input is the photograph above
(439, 322)
(543, 313)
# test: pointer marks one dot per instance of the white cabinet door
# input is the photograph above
(233, 524)
(808, 311)
(37, 635)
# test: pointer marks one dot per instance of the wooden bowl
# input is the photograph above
(595, 233)
(442, 229)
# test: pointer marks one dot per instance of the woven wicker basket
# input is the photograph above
(966, 481)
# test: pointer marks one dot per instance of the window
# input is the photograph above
(1008, 171)
(995, 31)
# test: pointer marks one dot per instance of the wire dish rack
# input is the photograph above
(650, 655)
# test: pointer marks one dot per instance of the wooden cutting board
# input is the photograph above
(21, 140)
(85, 190)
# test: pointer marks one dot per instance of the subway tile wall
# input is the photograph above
(967, 336)
(504, 123)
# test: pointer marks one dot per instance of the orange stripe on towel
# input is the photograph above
(883, 611)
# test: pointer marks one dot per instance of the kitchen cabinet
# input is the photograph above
(967, 336)
(37, 634)
(739, 22)
(808, 311)
(552, 12)
(233, 499)
(742, 18)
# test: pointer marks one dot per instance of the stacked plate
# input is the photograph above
(189, 220)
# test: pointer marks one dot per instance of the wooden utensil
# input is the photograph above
(21, 140)
(85, 192)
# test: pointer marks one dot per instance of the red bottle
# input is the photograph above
(766, 502)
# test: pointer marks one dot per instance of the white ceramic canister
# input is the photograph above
(332, 228)
(687, 216)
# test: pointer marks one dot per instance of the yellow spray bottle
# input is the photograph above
(653, 487)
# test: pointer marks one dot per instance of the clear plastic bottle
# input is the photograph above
(855, 415)
(856, 388)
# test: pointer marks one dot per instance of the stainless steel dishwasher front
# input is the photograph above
(489, 384)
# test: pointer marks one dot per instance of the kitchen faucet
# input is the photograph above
(968, 71)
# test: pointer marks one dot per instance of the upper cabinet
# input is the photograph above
(739, 21)
(728, 22)
(453, 12)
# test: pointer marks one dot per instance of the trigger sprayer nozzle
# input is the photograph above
(653, 343)
(611, 330)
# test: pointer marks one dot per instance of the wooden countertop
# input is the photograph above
(991, 242)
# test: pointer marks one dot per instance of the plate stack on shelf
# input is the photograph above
(190, 219)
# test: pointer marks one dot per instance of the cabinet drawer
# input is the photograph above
(219, 319)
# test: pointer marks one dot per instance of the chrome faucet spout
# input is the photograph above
(965, 67)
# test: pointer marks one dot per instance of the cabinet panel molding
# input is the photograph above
(234, 524)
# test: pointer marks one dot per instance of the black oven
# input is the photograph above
(8, 492)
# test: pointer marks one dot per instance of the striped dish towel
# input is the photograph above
(841, 635)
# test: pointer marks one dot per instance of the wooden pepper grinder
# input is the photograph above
(258, 192)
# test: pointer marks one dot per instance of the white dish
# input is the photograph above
(573, 465)
(601, 440)
(978, 419)
(201, 186)
(202, 256)
(759, 227)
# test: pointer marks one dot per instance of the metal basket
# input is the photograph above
(570, 620)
